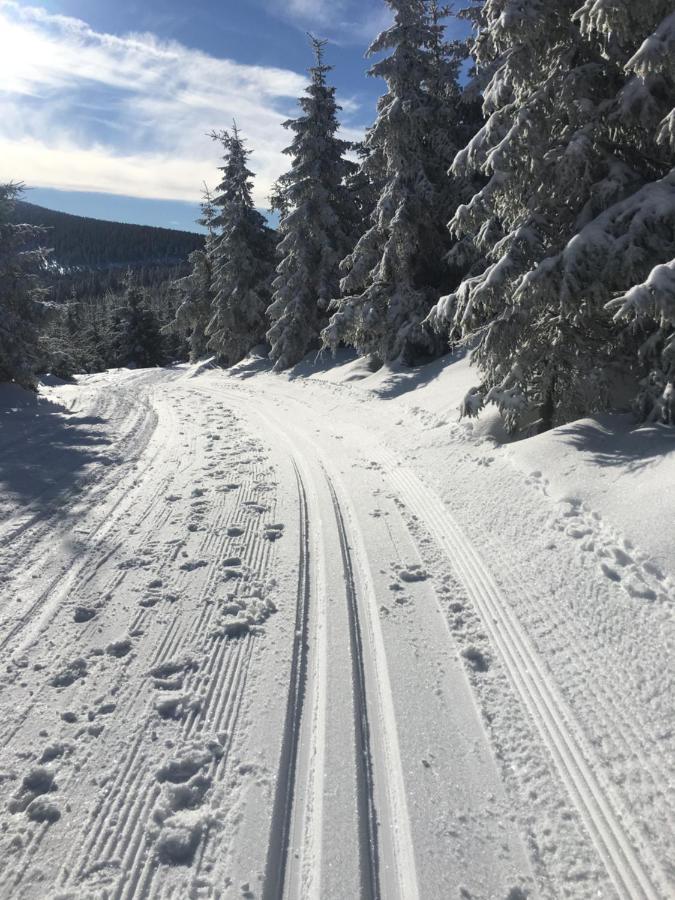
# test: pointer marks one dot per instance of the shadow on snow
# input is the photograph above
(45, 450)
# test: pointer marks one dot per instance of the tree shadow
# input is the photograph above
(45, 450)
(402, 379)
(613, 440)
(252, 365)
(319, 362)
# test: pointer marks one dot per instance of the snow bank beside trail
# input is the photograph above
(622, 472)
(433, 392)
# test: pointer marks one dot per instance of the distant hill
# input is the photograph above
(83, 243)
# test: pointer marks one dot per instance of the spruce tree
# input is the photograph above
(629, 250)
(194, 290)
(572, 134)
(139, 342)
(241, 258)
(318, 222)
(23, 305)
(393, 276)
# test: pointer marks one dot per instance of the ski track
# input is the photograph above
(629, 861)
(280, 830)
(369, 862)
(393, 822)
(219, 683)
(633, 877)
(189, 528)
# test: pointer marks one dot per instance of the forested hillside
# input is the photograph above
(78, 241)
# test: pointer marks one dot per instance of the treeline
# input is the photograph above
(115, 310)
(554, 170)
(81, 242)
(131, 326)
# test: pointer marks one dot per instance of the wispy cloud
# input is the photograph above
(128, 114)
(341, 21)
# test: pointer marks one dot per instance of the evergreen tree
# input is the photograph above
(138, 341)
(194, 290)
(241, 259)
(63, 341)
(392, 276)
(318, 222)
(630, 248)
(571, 135)
(23, 307)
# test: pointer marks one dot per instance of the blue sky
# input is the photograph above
(105, 104)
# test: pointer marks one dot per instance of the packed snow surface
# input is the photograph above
(309, 636)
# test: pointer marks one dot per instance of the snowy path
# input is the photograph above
(271, 648)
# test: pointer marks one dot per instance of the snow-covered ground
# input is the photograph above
(311, 637)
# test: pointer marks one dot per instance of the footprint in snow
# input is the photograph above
(609, 572)
(75, 670)
(177, 707)
(83, 614)
(621, 557)
(170, 667)
(413, 573)
(636, 588)
(193, 564)
(32, 797)
(476, 659)
(55, 751)
(273, 532)
(578, 531)
(118, 649)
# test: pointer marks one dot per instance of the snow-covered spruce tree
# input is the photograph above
(194, 290)
(241, 257)
(62, 343)
(392, 277)
(630, 249)
(558, 152)
(23, 305)
(138, 339)
(317, 227)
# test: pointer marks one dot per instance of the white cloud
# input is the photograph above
(58, 77)
(341, 21)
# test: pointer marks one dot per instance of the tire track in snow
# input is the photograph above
(632, 877)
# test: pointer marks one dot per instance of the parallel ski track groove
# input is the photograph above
(109, 526)
(129, 773)
(631, 878)
(369, 866)
(44, 516)
(221, 717)
(282, 812)
(630, 737)
(367, 813)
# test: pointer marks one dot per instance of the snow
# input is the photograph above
(312, 634)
